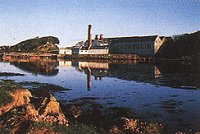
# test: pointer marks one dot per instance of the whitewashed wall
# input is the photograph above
(98, 51)
(65, 51)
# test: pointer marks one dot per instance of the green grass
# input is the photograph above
(77, 129)
(5, 131)
(62, 129)
(41, 86)
(7, 86)
(5, 97)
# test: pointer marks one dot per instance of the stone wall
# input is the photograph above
(140, 48)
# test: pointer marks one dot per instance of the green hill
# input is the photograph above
(44, 44)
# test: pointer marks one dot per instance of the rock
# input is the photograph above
(122, 124)
(114, 129)
(53, 107)
(31, 111)
(75, 111)
(22, 112)
(20, 97)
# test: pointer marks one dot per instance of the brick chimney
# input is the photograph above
(89, 36)
(96, 37)
(101, 36)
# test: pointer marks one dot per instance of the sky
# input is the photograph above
(69, 19)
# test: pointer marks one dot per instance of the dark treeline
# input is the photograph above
(186, 46)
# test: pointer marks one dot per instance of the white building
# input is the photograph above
(65, 51)
(98, 47)
(94, 50)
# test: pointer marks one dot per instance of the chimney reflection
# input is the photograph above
(98, 70)
(89, 73)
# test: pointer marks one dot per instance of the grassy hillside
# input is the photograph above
(44, 44)
(186, 46)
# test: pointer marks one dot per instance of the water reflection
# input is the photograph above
(96, 69)
(40, 66)
(138, 72)
(116, 84)
(172, 74)
(142, 72)
(178, 75)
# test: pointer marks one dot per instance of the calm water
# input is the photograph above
(167, 93)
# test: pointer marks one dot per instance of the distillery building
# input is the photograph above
(65, 51)
(140, 45)
(137, 45)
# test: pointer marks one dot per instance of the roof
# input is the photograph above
(162, 37)
(65, 48)
(168, 37)
(94, 47)
(132, 39)
(84, 48)
(94, 40)
(99, 47)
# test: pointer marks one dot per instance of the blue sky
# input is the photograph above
(68, 19)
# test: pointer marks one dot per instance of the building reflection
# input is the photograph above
(96, 69)
(177, 75)
(139, 72)
(172, 74)
(64, 63)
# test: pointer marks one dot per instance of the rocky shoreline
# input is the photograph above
(36, 110)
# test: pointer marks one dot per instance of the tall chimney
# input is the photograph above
(96, 37)
(101, 36)
(89, 36)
